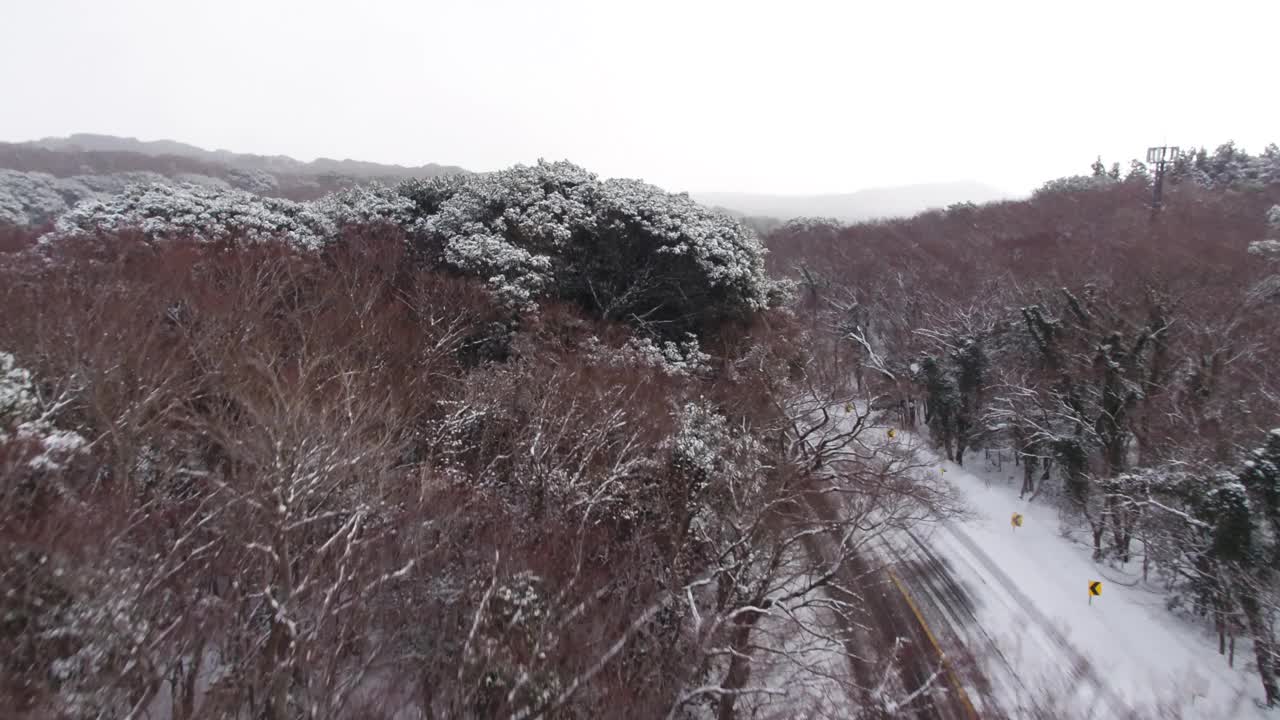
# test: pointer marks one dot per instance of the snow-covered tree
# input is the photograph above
(955, 377)
(1138, 172)
(821, 226)
(620, 248)
(1074, 183)
(1247, 539)
(1228, 166)
(258, 182)
(1269, 247)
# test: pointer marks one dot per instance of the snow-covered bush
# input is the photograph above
(671, 358)
(365, 205)
(163, 212)
(1266, 248)
(79, 188)
(76, 628)
(29, 198)
(504, 226)
(198, 179)
(700, 444)
(42, 445)
(429, 194)
(32, 198)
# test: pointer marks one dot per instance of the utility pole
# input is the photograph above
(1159, 158)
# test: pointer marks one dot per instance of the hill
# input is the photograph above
(90, 142)
(900, 201)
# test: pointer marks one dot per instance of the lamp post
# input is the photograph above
(1160, 157)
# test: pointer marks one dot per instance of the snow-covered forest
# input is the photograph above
(1123, 358)
(537, 443)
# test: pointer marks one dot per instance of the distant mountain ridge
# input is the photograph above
(92, 142)
(882, 202)
(88, 154)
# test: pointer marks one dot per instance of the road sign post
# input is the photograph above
(1095, 588)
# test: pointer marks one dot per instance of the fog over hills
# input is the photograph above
(866, 204)
(272, 163)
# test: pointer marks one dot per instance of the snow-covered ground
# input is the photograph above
(1045, 647)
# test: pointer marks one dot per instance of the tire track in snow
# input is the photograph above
(1080, 665)
(959, 608)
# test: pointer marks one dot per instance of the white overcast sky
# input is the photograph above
(788, 96)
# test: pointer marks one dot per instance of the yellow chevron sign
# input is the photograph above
(1016, 520)
(892, 433)
(1095, 588)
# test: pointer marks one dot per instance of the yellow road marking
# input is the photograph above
(951, 673)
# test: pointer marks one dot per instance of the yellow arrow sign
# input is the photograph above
(1095, 588)
(1016, 520)
(892, 433)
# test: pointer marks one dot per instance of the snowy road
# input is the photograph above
(1010, 609)
(887, 620)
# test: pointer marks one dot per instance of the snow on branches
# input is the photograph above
(17, 396)
(41, 445)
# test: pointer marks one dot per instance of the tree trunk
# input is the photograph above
(1028, 475)
(184, 684)
(739, 667)
(1222, 632)
(1098, 528)
(1119, 528)
(280, 640)
(1263, 645)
